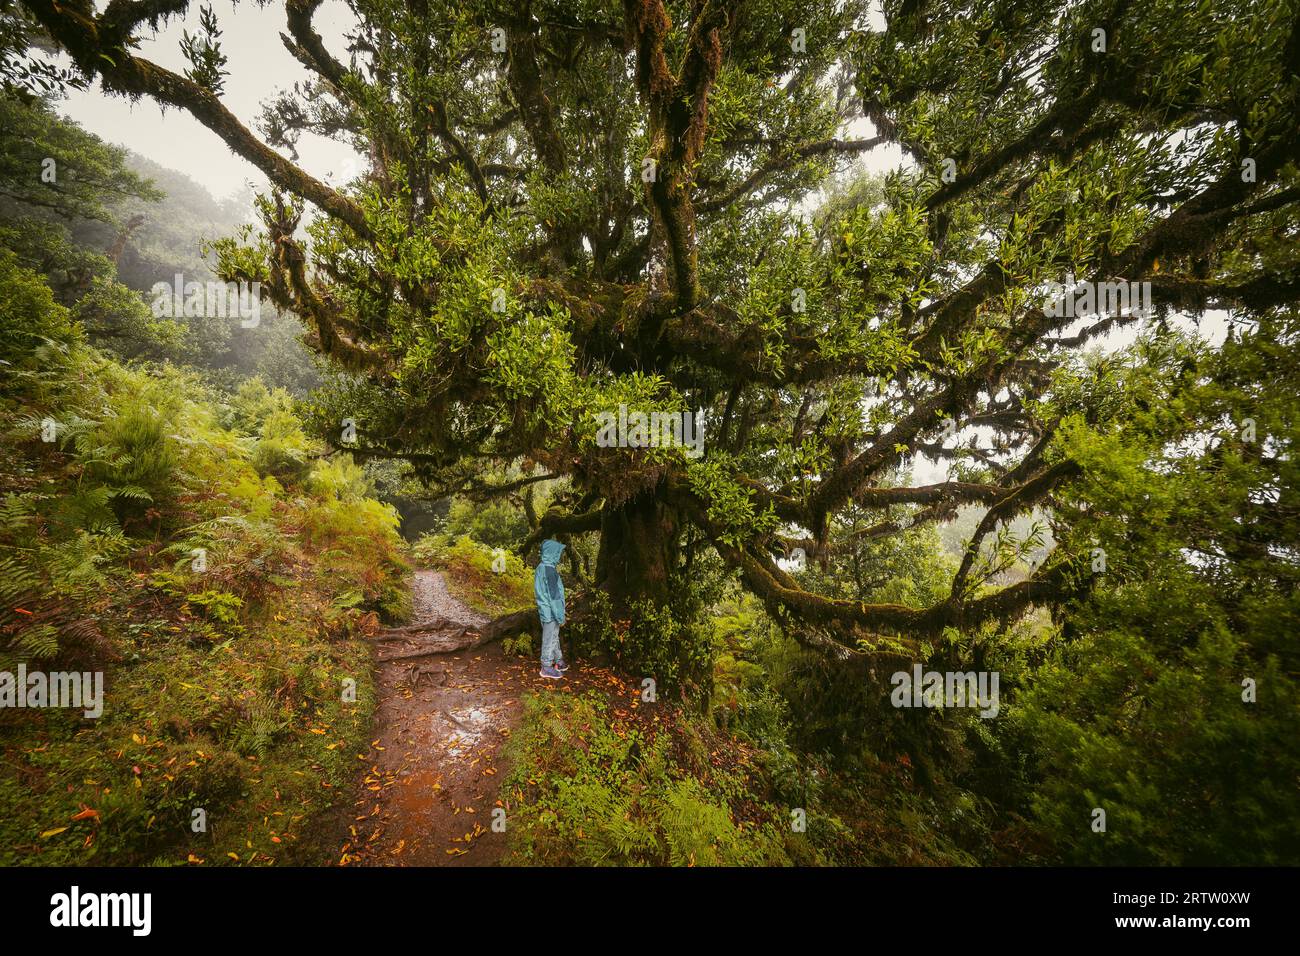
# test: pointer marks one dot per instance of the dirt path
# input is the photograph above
(428, 797)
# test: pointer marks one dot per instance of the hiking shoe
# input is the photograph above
(549, 671)
(561, 666)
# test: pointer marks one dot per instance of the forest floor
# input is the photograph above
(436, 762)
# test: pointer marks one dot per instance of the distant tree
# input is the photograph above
(55, 165)
(55, 179)
(104, 226)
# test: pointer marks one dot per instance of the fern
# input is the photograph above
(132, 492)
(40, 622)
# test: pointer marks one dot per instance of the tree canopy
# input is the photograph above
(568, 207)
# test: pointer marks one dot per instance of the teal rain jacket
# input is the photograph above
(547, 584)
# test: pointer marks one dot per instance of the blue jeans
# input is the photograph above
(550, 643)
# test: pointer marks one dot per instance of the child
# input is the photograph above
(549, 590)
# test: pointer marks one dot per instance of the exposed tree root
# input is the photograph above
(465, 638)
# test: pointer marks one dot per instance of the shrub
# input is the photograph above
(282, 449)
(34, 330)
(586, 792)
(662, 643)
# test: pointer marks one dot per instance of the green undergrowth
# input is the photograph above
(602, 778)
(592, 784)
(199, 551)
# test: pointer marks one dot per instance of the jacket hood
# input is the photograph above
(551, 551)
